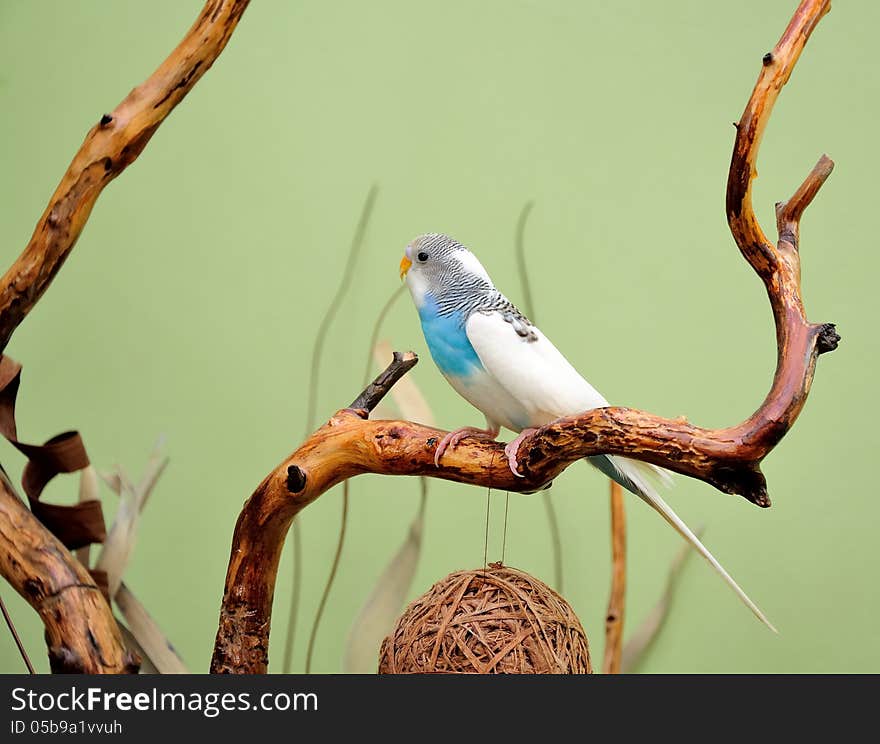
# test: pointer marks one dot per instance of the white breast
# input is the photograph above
(534, 374)
(486, 394)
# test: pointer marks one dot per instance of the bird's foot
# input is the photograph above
(454, 437)
(511, 449)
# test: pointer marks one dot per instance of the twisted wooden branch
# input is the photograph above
(109, 148)
(81, 634)
(80, 630)
(729, 459)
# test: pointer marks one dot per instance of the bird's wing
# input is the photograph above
(530, 367)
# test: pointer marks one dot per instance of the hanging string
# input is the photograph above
(488, 497)
(504, 538)
(486, 543)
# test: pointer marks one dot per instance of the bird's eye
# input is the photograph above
(422, 256)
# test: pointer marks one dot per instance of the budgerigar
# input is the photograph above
(498, 361)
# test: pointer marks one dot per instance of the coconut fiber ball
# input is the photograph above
(494, 620)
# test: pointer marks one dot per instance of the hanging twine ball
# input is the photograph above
(494, 620)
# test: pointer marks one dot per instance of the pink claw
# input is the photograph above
(454, 437)
(511, 449)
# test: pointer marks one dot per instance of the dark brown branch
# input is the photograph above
(109, 148)
(378, 388)
(729, 459)
(789, 213)
(81, 634)
(617, 598)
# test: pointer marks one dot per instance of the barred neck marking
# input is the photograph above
(465, 301)
(456, 285)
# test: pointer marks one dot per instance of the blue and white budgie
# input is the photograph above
(503, 365)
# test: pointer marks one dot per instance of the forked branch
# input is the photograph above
(729, 459)
(80, 630)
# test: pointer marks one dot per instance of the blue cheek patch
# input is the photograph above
(447, 341)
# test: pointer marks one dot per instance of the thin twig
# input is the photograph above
(329, 585)
(317, 354)
(333, 308)
(370, 396)
(529, 306)
(296, 582)
(16, 638)
(617, 597)
(520, 243)
(377, 329)
(649, 629)
(789, 213)
(555, 540)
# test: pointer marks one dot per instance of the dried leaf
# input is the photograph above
(119, 544)
(154, 646)
(131, 643)
(405, 393)
(142, 633)
(382, 608)
(311, 408)
(112, 479)
(155, 467)
(650, 627)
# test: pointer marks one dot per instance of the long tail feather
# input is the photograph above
(627, 473)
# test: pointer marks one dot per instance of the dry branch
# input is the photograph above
(617, 597)
(80, 631)
(81, 634)
(729, 459)
(109, 148)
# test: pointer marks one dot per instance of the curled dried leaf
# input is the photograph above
(88, 491)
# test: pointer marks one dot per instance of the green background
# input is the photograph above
(190, 304)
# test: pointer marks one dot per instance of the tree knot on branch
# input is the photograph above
(296, 479)
(827, 338)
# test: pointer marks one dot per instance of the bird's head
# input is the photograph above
(436, 265)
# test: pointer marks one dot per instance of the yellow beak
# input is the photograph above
(405, 263)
